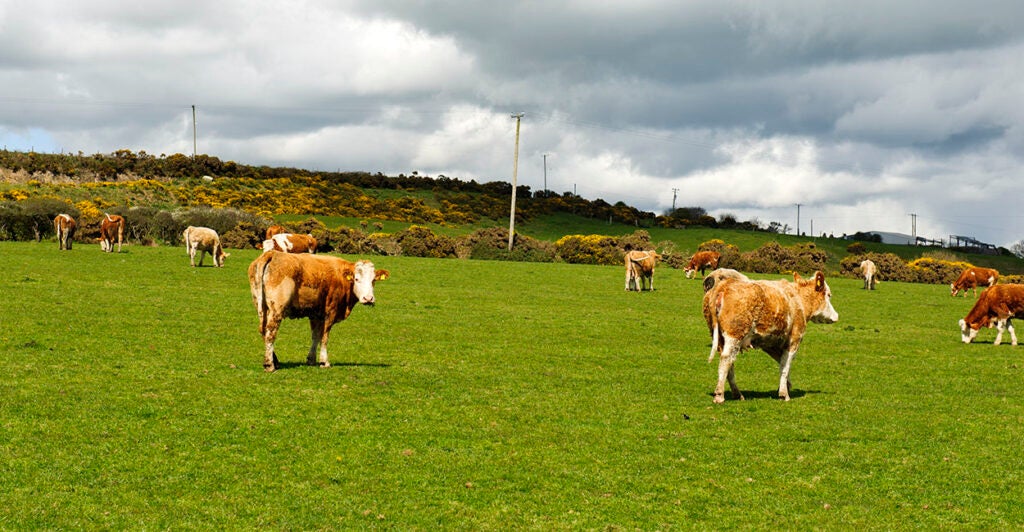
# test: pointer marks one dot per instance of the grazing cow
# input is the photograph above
(64, 225)
(868, 269)
(290, 243)
(997, 305)
(973, 278)
(769, 315)
(721, 274)
(111, 226)
(275, 230)
(321, 288)
(640, 270)
(702, 260)
(203, 240)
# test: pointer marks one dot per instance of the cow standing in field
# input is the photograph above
(64, 225)
(111, 226)
(721, 274)
(769, 315)
(640, 270)
(702, 260)
(274, 230)
(290, 243)
(973, 278)
(868, 270)
(997, 305)
(203, 240)
(322, 288)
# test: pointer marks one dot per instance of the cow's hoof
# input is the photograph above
(719, 399)
(269, 369)
(325, 364)
(784, 397)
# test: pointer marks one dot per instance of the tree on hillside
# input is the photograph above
(1018, 249)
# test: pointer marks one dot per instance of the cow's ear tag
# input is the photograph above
(349, 276)
(819, 282)
(382, 275)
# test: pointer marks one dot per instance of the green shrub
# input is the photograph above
(890, 267)
(589, 249)
(492, 244)
(418, 241)
(773, 258)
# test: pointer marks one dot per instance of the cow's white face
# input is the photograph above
(826, 313)
(689, 273)
(967, 334)
(362, 282)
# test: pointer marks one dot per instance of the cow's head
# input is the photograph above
(689, 272)
(362, 278)
(967, 332)
(219, 259)
(824, 313)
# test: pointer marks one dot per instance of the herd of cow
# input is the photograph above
(288, 280)
(773, 315)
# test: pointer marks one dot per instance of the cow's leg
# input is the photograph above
(269, 336)
(316, 334)
(778, 357)
(1013, 335)
(192, 257)
(1000, 327)
(628, 276)
(787, 362)
(725, 370)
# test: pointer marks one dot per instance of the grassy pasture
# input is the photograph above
(484, 395)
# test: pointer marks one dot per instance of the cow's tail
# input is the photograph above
(188, 241)
(259, 294)
(715, 332)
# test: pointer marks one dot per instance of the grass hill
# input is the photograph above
(89, 185)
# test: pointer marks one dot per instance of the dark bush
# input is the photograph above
(418, 241)
(492, 244)
(890, 267)
(32, 219)
(773, 258)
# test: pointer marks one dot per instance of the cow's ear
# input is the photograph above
(350, 276)
(819, 281)
(382, 275)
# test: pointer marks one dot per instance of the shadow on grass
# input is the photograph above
(302, 364)
(767, 394)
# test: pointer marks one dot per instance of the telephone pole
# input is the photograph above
(515, 171)
(798, 219)
(913, 227)
(674, 192)
(193, 132)
(545, 175)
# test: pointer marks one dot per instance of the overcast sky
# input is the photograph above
(864, 112)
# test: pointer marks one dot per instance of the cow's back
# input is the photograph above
(302, 284)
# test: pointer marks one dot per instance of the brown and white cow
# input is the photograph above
(64, 225)
(203, 240)
(322, 288)
(640, 270)
(275, 230)
(997, 306)
(111, 226)
(290, 243)
(721, 274)
(868, 270)
(702, 260)
(769, 315)
(973, 278)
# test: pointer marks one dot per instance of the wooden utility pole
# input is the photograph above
(193, 132)
(515, 171)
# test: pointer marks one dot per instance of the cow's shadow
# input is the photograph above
(795, 393)
(302, 364)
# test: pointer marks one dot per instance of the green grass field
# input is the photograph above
(484, 395)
